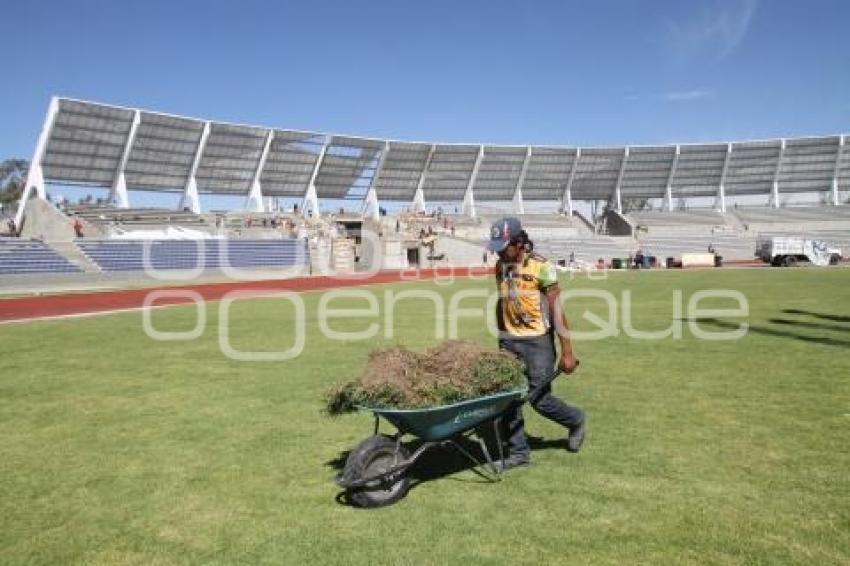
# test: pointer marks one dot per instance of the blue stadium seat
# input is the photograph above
(19, 257)
(136, 255)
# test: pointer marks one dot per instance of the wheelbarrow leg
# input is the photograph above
(490, 463)
(492, 473)
(488, 466)
(497, 427)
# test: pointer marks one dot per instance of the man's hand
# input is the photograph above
(568, 363)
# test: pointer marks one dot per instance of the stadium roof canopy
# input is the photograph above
(126, 149)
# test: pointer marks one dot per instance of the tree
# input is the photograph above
(635, 204)
(13, 173)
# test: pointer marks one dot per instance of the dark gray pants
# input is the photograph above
(539, 357)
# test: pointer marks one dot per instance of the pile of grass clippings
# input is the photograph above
(450, 372)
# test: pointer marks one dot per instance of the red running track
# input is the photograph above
(26, 308)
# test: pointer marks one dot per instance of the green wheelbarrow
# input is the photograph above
(375, 472)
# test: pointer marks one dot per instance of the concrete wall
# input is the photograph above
(44, 221)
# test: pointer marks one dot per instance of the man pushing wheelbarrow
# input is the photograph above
(530, 316)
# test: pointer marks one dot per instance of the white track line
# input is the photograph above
(89, 314)
(260, 294)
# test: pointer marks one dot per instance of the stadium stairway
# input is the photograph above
(735, 223)
(589, 249)
(43, 221)
(107, 218)
(681, 222)
(461, 252)
(585, 224)
(75, 256)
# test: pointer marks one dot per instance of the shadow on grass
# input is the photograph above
(438, 462)
(540, 443)
(812, 325)
(832, 317)
(445, 461)
(763, 330)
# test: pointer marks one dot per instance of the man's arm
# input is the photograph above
(568, 361)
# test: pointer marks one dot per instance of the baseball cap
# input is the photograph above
(501, 232)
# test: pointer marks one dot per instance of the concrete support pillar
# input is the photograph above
(567, 198)
(419, 200)
(119, 195)
(669, 190)
(618, 194)
(35, 176)
(842, 141)
(310, 203)
(419, 195)
(468, 197)
(190, 198)
(519, 204)
(254, 202)
(721, 188)
(774, 190)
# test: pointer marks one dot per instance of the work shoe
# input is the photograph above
(576, 438)
(512, 462)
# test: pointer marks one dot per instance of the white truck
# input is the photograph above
(788, 251)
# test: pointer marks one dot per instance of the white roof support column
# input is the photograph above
(419, 195)
(190, 198)
(35, 175)
(842, 141)
(371, 206)
(618, 196)
(419, 201)
(721, 188)
(119, 196)
(567, 199)
(519, 205)
(310, 202)
(254, 202)
(669, 194)
(774, 188)
(468, 197)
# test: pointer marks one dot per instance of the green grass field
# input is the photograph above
(115, 448)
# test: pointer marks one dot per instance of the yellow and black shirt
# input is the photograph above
(523, 308)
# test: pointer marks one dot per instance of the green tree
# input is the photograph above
(635, 204)
(13, 173)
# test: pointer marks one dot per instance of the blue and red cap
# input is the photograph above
(501, 233)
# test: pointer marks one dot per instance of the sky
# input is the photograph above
(589, 73)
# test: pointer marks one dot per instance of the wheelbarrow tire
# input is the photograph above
(371, 457)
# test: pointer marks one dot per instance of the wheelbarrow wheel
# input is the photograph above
(370, 458)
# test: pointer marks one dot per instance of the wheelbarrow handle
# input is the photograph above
(535, 393)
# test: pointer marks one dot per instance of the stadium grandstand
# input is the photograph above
(581, 203)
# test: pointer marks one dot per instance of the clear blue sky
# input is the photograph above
(562, 72)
